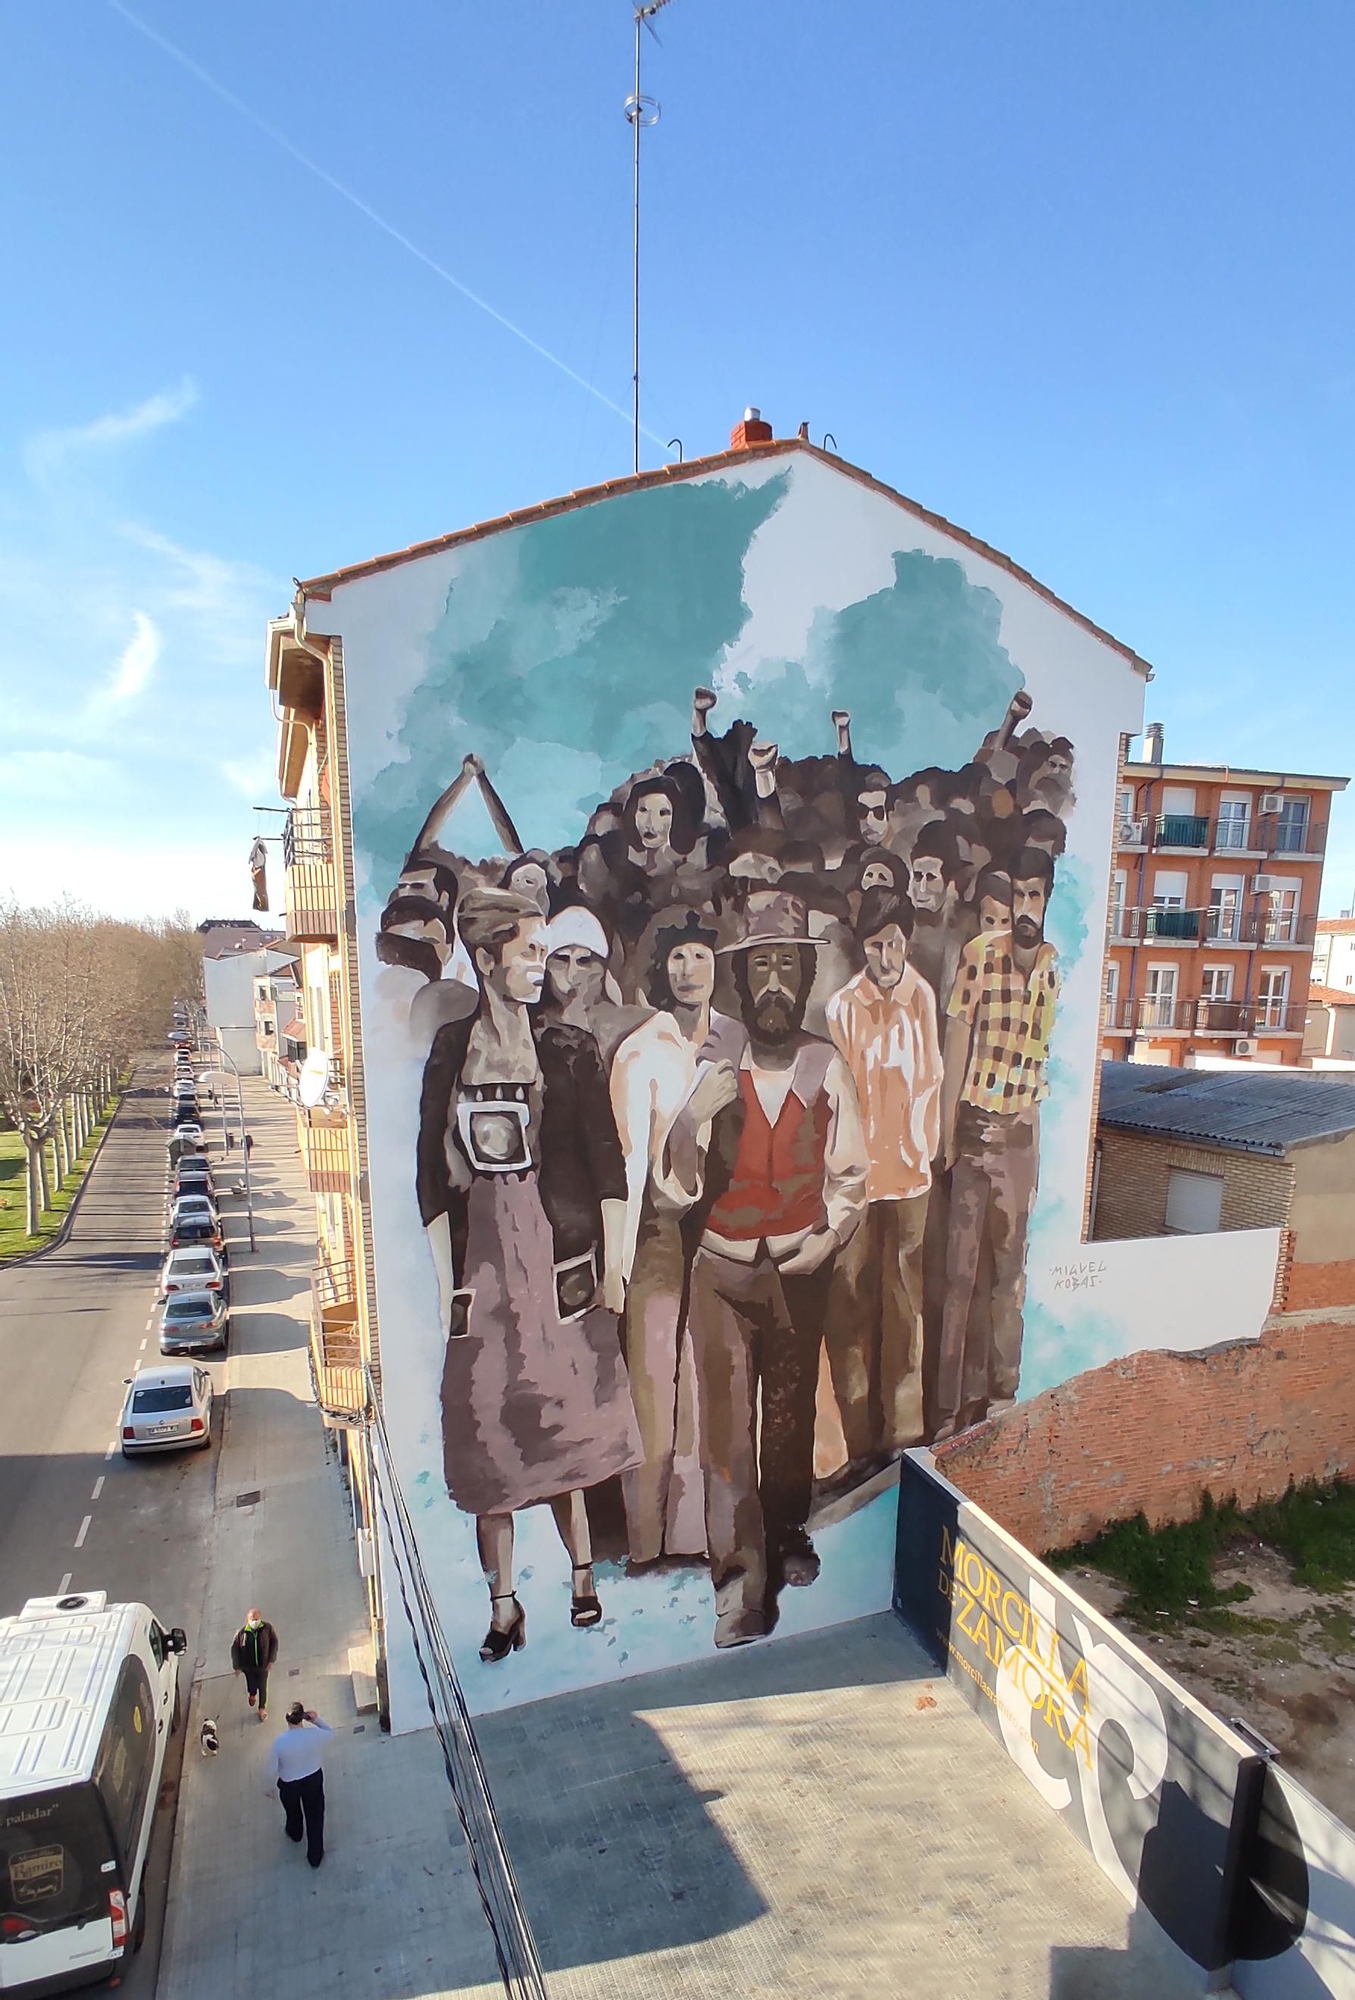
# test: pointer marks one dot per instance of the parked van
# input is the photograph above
(89, 1695)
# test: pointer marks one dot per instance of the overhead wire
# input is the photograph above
(280, 139)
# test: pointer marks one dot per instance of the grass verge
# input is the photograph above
(14, 1239)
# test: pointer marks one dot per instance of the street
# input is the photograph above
(74, 1514)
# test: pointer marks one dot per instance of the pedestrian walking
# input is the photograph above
(296, 1764)
(253, 1651)
(249, 1144)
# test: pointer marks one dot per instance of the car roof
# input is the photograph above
(174, 1375)
(191, 1298)
(56, 1676)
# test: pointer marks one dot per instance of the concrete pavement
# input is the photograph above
(822, 1815)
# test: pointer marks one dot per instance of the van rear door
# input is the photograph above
(58, 1867)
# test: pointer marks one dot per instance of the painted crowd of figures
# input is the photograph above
(728, 1143)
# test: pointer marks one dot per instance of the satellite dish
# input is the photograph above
(314, 1078)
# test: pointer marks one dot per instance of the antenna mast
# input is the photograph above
(640, 111)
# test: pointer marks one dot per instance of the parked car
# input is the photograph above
(187, 1203)
(194, 1224)
(193, 1322)
(198, 1268)
(188, 1137)
(167, 1409)
(187, 1158)
(183, 1186)
(179, 1036)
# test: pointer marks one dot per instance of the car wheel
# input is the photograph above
(128, 1454)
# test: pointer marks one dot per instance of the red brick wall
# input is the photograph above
(1311, 1287)
(1153, 1432)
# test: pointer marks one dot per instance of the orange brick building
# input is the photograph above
(1213, 910)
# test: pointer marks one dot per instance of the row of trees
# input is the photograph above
(79, 996)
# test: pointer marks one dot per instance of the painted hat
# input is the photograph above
(770, 916)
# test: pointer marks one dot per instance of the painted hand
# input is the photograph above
(817, 1247)
(703, 700)
(612, 1292)
(715, 1089)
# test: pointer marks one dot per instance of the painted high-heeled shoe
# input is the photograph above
(498, 1645)
(585, 1607)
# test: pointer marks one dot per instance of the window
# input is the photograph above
(126, 1758)
(1216, 982)
(54, 1848)
(1232, 823)
(1112, 994)
(157, 1643)
(1224, 906)
(1117, 890)
(1280, 916)
(154, 1402)
(1291, 827)
(1194, 1202)
(1272, 999)
(1158, 1009)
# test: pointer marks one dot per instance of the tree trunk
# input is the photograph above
(32, 1207)
(63, 1158)
(40, 1158)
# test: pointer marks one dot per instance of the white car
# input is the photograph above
(194, 1268)
(190, 1135)
(190, 1207)
(167, 1409)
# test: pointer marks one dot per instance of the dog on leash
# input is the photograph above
(208, 1740)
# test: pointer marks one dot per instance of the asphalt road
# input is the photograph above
(74, 1514)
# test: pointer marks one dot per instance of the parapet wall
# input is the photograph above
(1152, 1432)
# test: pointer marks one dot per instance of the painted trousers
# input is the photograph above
(755, 1338)
(873, 1331)
(992, 1192)
(660, 1519)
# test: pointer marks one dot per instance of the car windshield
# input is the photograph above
(54, 1850)
(188, 1308)
(152, 1402)
(201, 1266)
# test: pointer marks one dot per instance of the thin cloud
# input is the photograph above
(49, 451)
(134, 666)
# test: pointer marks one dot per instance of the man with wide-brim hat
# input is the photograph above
(779, 1176)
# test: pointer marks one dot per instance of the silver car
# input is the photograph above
(195, 1268)
(193, 1322)
(167, 1409)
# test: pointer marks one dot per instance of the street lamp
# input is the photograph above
(244, 1148)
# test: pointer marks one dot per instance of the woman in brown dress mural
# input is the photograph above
(522, 1190)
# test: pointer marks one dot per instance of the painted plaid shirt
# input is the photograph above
(1010, 1018)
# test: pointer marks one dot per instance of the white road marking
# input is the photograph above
(64, 1585)
(111, 1449)
(84, 1530)
(98, 1487)
(142, 1348)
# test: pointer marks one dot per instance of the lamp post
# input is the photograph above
(229, 1061)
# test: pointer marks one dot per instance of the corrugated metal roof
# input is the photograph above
(1261, 1111)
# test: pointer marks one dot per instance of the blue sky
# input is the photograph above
(1078, 278)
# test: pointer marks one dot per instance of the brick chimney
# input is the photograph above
(752, 430)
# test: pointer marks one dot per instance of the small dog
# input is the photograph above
(208, 1740)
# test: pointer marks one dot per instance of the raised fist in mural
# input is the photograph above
(473, 766)
(704, 700)
(842, 722)
(762, 758)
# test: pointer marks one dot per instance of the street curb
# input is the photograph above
(55, 1242)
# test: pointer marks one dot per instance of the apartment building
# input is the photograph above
(275, 1024)
(1213, 909)
(311, 1021)
(1334, 953)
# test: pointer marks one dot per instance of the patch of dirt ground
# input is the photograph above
(1283, 1660)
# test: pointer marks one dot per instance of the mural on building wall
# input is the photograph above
(712, 1000)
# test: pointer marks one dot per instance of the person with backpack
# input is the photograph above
(253, 1651)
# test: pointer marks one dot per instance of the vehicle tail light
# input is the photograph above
(16, 1927)
(117, 1916)
(196, 1424)
(127, 1431)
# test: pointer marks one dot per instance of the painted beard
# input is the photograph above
(775, 1019)
(1026, 932)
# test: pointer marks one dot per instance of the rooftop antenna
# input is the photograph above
(640, 111)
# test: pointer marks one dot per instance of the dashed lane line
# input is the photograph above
(84, 1530)
(64, 1585)
(98, 1487)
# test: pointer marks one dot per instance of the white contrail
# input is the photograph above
(364, 208)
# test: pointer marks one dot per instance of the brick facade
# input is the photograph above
(1132, 1185)
(1153, 1432)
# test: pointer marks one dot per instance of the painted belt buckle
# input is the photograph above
(494, 1133)
(576, 1283)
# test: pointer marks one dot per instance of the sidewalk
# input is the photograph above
(823, 1815)
(394, 1899)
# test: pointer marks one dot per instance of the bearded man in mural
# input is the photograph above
(755, 1066)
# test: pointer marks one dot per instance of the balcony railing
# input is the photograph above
(1162, 1015)
(337, 1372)
(334, 1290)
(310, 898)
(325, 1150)
(1288, 933)
(1232, 835)
(1130, 926)
(1289, 836)
(1248, 1017)
(1181, 830)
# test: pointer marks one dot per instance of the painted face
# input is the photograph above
(876, 876)
(530, 881)
(575, 973)
(418, 882)
(417, 927)
(519, 971)
(1028, 908)
(994, 915)
(886, 956)
(755, 868)
(774, 989)
(929, 883)
(653, 821)
(691, 974)
(873, 817)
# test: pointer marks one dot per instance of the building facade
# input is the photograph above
(1334, 953)
(229, 972)
(1213, 910)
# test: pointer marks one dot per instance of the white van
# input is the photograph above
(89, 1694)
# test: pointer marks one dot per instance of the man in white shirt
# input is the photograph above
(296, 1764)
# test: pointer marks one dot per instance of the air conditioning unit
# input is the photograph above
(1131, 833)
(1261, 885)
(1271, 802)
(1244, 1047)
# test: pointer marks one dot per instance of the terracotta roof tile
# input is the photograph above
(324, 586)
(1330, 996)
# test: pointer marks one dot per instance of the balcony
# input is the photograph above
(1283, 932)
(310, 898)
(1155, 1016)
(1235, 836)
(337, 1371)
(1248, 1017)
(1181, 830)
(1289, 836)
(325, 1152)
(1176, 926)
